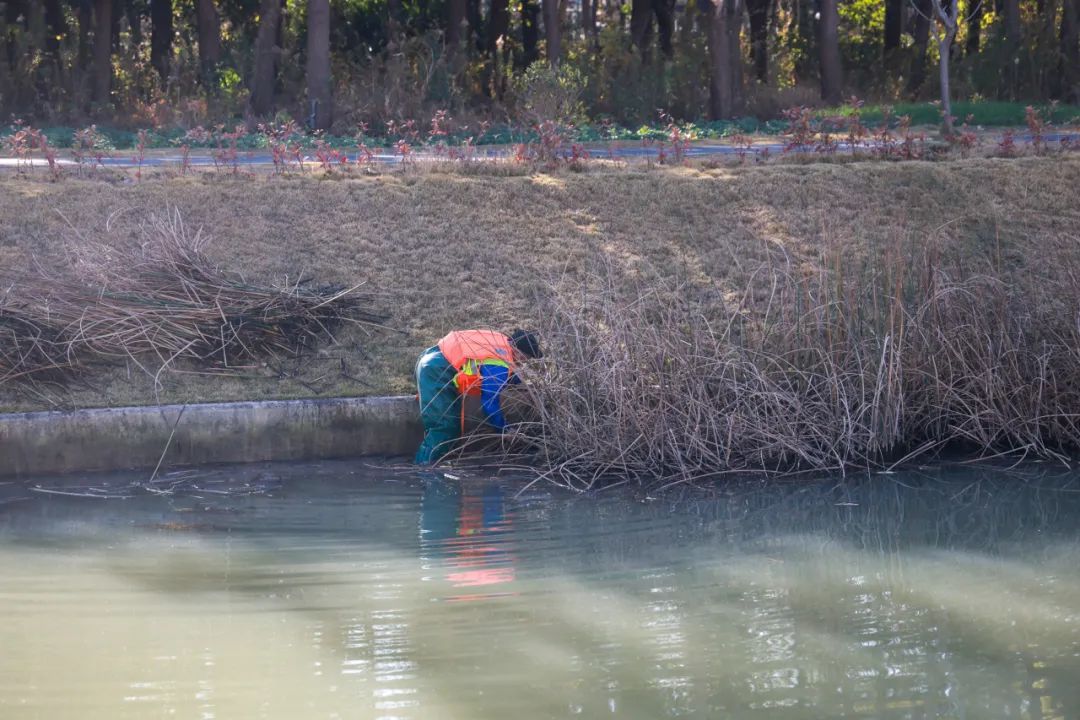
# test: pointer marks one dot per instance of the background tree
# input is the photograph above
(219, 61)
(85, 9)
(102, 51)
(643, 15)
(832, 82)
(209, 33)
(921, 21)
(974, 30)
(759, 13)
(161, 36)
(552, 31)
(1068, 71)
(56, 28)
(530, 32)
(455, 20)
(320, 100)
(946, 23)
(894, 26)
(264, 75)
(498, 25)
(723, 19)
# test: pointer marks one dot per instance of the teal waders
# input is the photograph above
(440, 405)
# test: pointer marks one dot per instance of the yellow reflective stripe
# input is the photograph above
(471, 367)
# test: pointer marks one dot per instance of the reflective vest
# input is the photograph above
(467, 350)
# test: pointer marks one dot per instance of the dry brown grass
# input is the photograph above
(656, 384)
(449, 251)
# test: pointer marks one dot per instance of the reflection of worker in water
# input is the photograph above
(466, 363)
(461, 527)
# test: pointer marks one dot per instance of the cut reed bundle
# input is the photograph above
(163, 300)
(30, 350)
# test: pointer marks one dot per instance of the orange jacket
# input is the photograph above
(467, 350)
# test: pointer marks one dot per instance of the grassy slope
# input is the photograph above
(450, 251)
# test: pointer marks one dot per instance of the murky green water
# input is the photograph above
(346, 591)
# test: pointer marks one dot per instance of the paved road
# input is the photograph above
(624, 150)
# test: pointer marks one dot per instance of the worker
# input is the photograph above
(466, 363)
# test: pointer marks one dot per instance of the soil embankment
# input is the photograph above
(447, 250)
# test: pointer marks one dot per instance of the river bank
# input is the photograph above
(840, 262)
(444, 251)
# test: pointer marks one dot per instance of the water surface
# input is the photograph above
(346, 590)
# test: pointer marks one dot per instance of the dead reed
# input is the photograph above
(29, 349)
(835, 370)
(163, 300)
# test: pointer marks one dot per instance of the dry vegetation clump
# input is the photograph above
(162, 300)
(30, 350)
(825, 372)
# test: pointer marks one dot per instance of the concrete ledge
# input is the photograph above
(134, 438)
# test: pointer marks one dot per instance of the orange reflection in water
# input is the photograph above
(476, 553)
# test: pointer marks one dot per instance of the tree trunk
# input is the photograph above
(13, 10)
(134, 13)
(974, 28)
(1011, 30)
(944, 44)
(498, 24)
(394, 20)
(917, 76)
(320, 101)
(894, 24)
(86, 26)
(586, 13)
(1069, 63)
(102, 51)
(161, 34)
(641, 21)
(832, 82)
(552, 31)
(759, 11)
(1011, 11)
(57, 26)
(642, 15)
(114, 33)
(721, 102)
(477, 38)
(264, 77)
(209, 30)
(530, 32)
(455, 23)
(734, 28)
(594, 32)
(665, 22)
(722, 19)
(497, 29)
(807, 67)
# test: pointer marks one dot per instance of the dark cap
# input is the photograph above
(527, 343)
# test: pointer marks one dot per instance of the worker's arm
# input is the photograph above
(493, 378)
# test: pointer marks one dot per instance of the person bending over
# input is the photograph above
(466, 362)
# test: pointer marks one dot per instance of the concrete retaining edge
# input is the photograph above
(132, 438)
